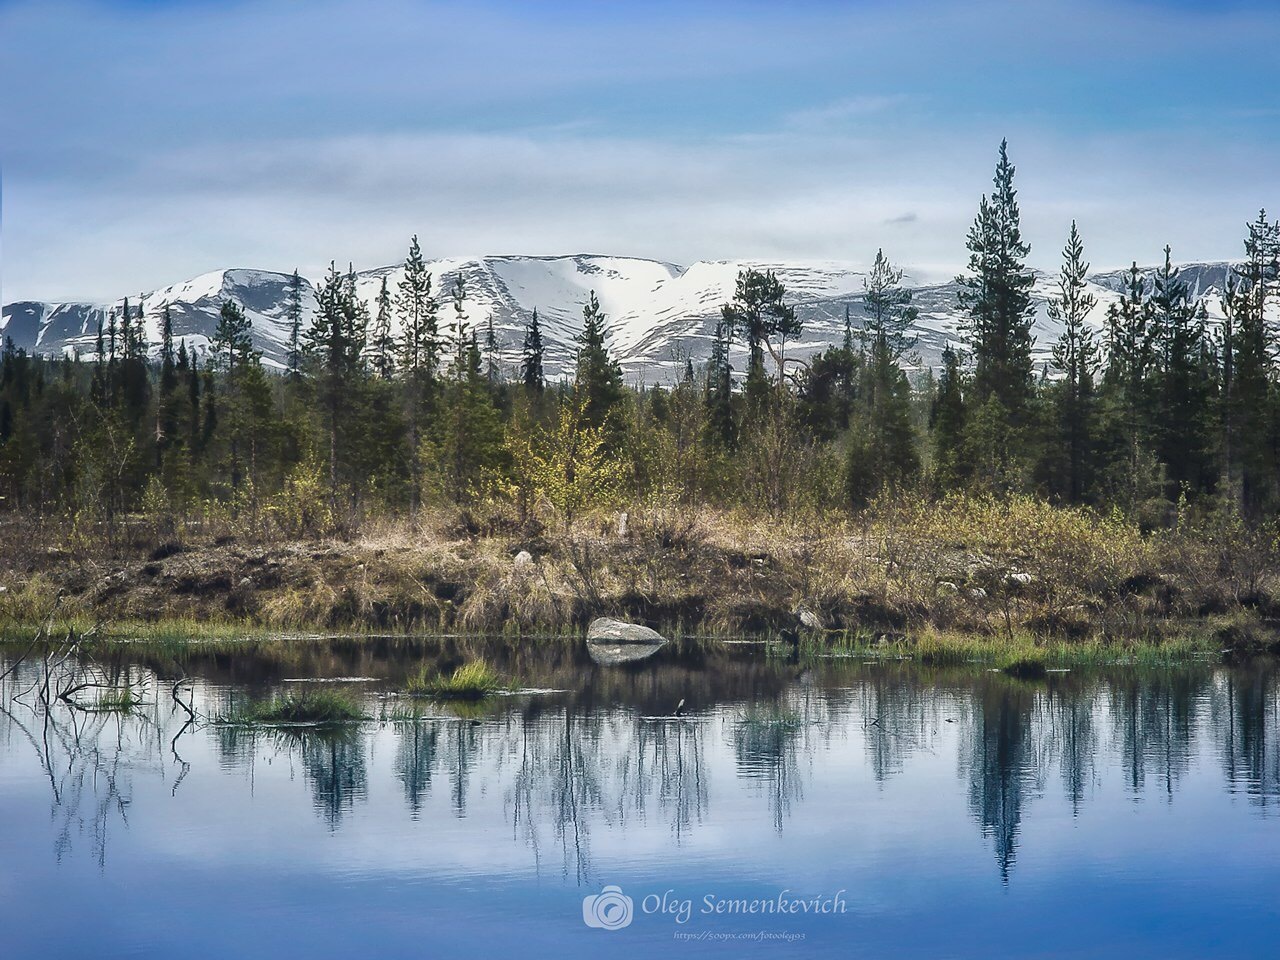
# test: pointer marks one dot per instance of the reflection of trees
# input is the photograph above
(592, 760)
(1250, 729)
(1154, 717)
(462, 741)
(765, 749)
(1000, 763)
(668, 755)
(417, 749)
(574, 770)
(898, 714)
(559, 778)
(89, 758)
(1073, 736)
(335, 767)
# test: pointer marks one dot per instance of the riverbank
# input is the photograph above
(1014, 573)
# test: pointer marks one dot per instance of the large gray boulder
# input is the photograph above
(612, 642)
(608, 630)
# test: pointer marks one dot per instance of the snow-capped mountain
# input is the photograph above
(658, 313)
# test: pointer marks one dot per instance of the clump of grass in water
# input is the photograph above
(117, 700)
(313, 706)
(1032, 667)
(471, 681)
(756, 716)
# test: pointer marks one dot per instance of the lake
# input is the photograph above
(838, 808)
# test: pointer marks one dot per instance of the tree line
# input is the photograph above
(391, 408)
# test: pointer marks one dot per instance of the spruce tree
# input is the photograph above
(531, 371)
(381, 346)
(948, 420)
(166, 413)
(491, 353)
(472, 434)
(1185, 383)
(293, 315)
(886, 329)
(720, 422)
(1076, 356)
(1128, 395)
(132, 386)
(1248, 369)
(419, 344)
(598, 383)
(168, 371)
(335, 344)
(996, 296)
(882, 452)
(232, 353)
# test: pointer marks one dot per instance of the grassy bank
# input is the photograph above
(949, 580)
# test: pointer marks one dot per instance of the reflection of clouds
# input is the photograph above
(583, 144)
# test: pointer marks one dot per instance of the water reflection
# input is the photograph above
(561, 773)
(1250, 727)
(417, 748)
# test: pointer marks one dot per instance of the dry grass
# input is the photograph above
(963, 566)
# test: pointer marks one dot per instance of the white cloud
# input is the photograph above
(148, 146)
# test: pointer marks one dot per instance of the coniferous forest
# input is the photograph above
(1161, 424)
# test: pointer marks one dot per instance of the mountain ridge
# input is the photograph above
(659, 313)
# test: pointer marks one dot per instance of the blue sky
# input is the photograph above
(145, 142)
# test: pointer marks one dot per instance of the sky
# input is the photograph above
(143, 142)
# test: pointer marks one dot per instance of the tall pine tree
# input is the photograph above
(996, 297)
(531, 370)
(598, 384)
(1076, 356)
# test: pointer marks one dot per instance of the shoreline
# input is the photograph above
(933, 579)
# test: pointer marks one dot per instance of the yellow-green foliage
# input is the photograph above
(1055, 543)
(302, 505)
(569, 467)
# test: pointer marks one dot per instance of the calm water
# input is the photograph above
(920, 813)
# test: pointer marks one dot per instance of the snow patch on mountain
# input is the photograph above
(658, 314)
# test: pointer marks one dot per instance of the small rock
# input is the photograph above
(246, 584)
(1022, 579)
(522, 560)
(946, 586)
(978, 593)
(622, 524)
